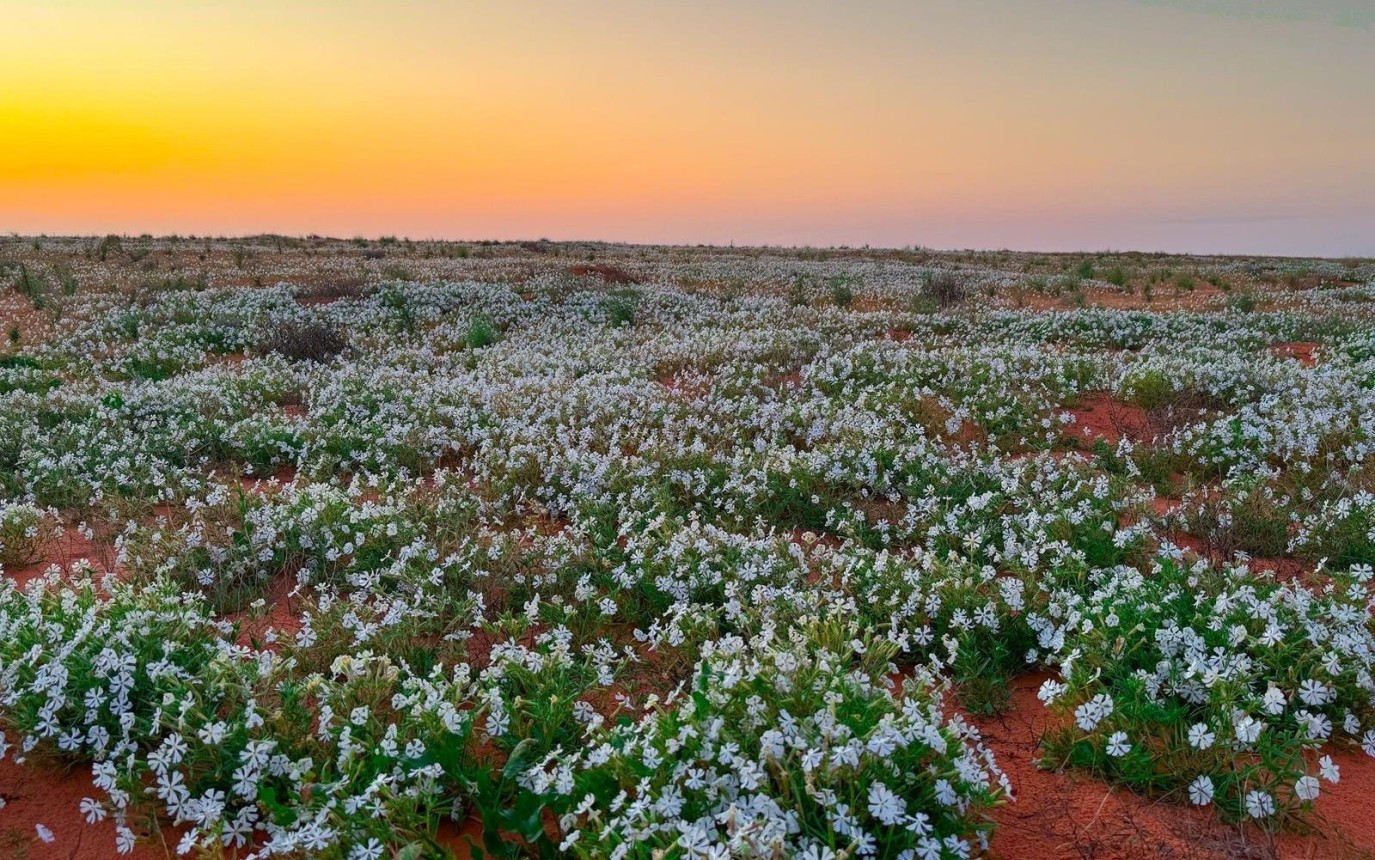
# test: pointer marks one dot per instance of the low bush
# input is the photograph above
(303, 340)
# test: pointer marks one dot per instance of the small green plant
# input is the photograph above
(32, 286)
(620, 308)
(842, 294)
(1243, 301)
(482, 332)
(65, 278)
(396, 272)
(111, 244)
(1149, 389)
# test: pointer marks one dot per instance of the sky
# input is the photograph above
(1239, 126)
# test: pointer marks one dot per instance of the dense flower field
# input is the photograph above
(674, 552)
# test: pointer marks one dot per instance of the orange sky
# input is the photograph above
(1243, 125)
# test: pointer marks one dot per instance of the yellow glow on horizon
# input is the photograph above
(654, 120)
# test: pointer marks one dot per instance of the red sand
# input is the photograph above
(1302, 351)
(285, 474)
(282, 616)
(41, 794)
(609, 274)
(1163, 506)
(1099, 416)
(1070, 815)
(65, 552)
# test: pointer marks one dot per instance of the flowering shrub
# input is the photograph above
(1210, 684)
(785, 745)
(24, 532)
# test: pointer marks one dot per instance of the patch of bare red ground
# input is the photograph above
(1057, 814)
(229, 358)
(901, 335)
(43, 793)
(1163, 506)
(285, 474)
(282, 614)
(1283, 569)
(1193, 543)
(608, 274)
(687, 385)
(785, 380)
(65, 552)
(1099, 416)
(1304, 352)
(459, 838)
(462, 837)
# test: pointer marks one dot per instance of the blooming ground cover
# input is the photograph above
(364, 550)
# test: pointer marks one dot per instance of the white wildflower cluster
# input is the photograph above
(674, 552)
(784, 745)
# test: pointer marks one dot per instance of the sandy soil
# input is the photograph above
(1068, 815)
(1099, 416)
(37, 794)
(1304, 352)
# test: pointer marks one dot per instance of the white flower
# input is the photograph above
(1259, 804)
(1314, 692)
(1273, 701)
(886, 806)
(1200, 737)
(371, 851)
(1201, 791)
(1088, 715)
(1118, 745)
(92, 809)
(1306, 788)
(1050, 690)
(1247, 728)
(1328, 769)
(44, 834)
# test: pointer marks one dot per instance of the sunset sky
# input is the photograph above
(1212, 125)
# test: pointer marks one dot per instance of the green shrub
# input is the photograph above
(482, 332)
(620, 308)
(24, 532)
(1149, 389)
(944, 287)
(842, 294)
